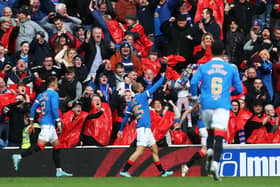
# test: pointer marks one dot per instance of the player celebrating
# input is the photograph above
(48, 102)
(203, 134)
(140, 107)
(216, 77)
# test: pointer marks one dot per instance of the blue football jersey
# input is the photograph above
(139, 106)
(49, 105)
(216, 78)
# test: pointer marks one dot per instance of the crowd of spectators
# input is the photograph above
(99, 49)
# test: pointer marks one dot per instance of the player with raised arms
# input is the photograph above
(140, 108)
(48, 102)
(216, 78)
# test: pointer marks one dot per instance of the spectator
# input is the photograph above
(59, 25)
(36, 13)
(208, 24)
(126, 57)
(86, 98)
(106, 68)
(276, 44)
(8, 13)
(4, 59)
(16, 112)
(145, 14)
(181, 39)
(28, 28)
(80, 33)
(48, 69)
(243, 12)
(255, 122)
(264, 70)
(118, 106)
(61, 41)
(21, 74)
(25, 55)
(96, 49)
(202, 52)
(234, 42)
(4, 4)
(141, 43)
(70, 89)
(81, 70)
(9, 34)
(103, 88)
(66, 56)
(39, 47)
(250, 75)
(259, 92)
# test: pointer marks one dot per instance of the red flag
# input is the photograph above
(149, 64)
(161, 124)
(71, 129)
(101, 128)
(129, 134)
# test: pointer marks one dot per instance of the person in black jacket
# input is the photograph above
(39, 47)
(81, 70)
(208, 24)
(16, 112)
(96, 49)
(243, 12)
(234, 42)
(255, 122)
(70, 89)
(24, 54)
(181, 39)
(145, 13)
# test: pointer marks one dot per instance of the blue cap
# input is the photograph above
(124, 44)
(258, 22)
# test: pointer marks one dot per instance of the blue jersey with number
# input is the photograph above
(48, 102)
(216, 77)
(139, 106)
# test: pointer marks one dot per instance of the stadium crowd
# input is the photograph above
(99, 49)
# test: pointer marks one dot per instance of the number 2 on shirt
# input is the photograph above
(43, 107)
(216, 85)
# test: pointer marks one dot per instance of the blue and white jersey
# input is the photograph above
(139, 106)
(216, 77)
(49, 105)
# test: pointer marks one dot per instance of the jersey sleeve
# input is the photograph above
(154, 88)
(194, 82)
(55, 106)
(34, 107)
(236, 82)
(127, 114)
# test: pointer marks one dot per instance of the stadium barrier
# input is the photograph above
(237, 160)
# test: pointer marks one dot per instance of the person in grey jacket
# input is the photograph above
(28, 28)
(61, 20)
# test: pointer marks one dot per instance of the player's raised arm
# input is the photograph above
(127, 114)
(154, 88)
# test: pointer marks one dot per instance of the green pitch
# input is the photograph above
(141, 182)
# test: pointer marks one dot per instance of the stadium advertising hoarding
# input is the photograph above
(250, 160)
(237, 160)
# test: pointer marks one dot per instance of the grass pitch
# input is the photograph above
(142, 182)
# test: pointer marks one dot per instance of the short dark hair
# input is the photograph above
(57, 18)
(24, 42)
(70, 70)
(209, 11)
(119, 65)
(50, 80)
(217, 48)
